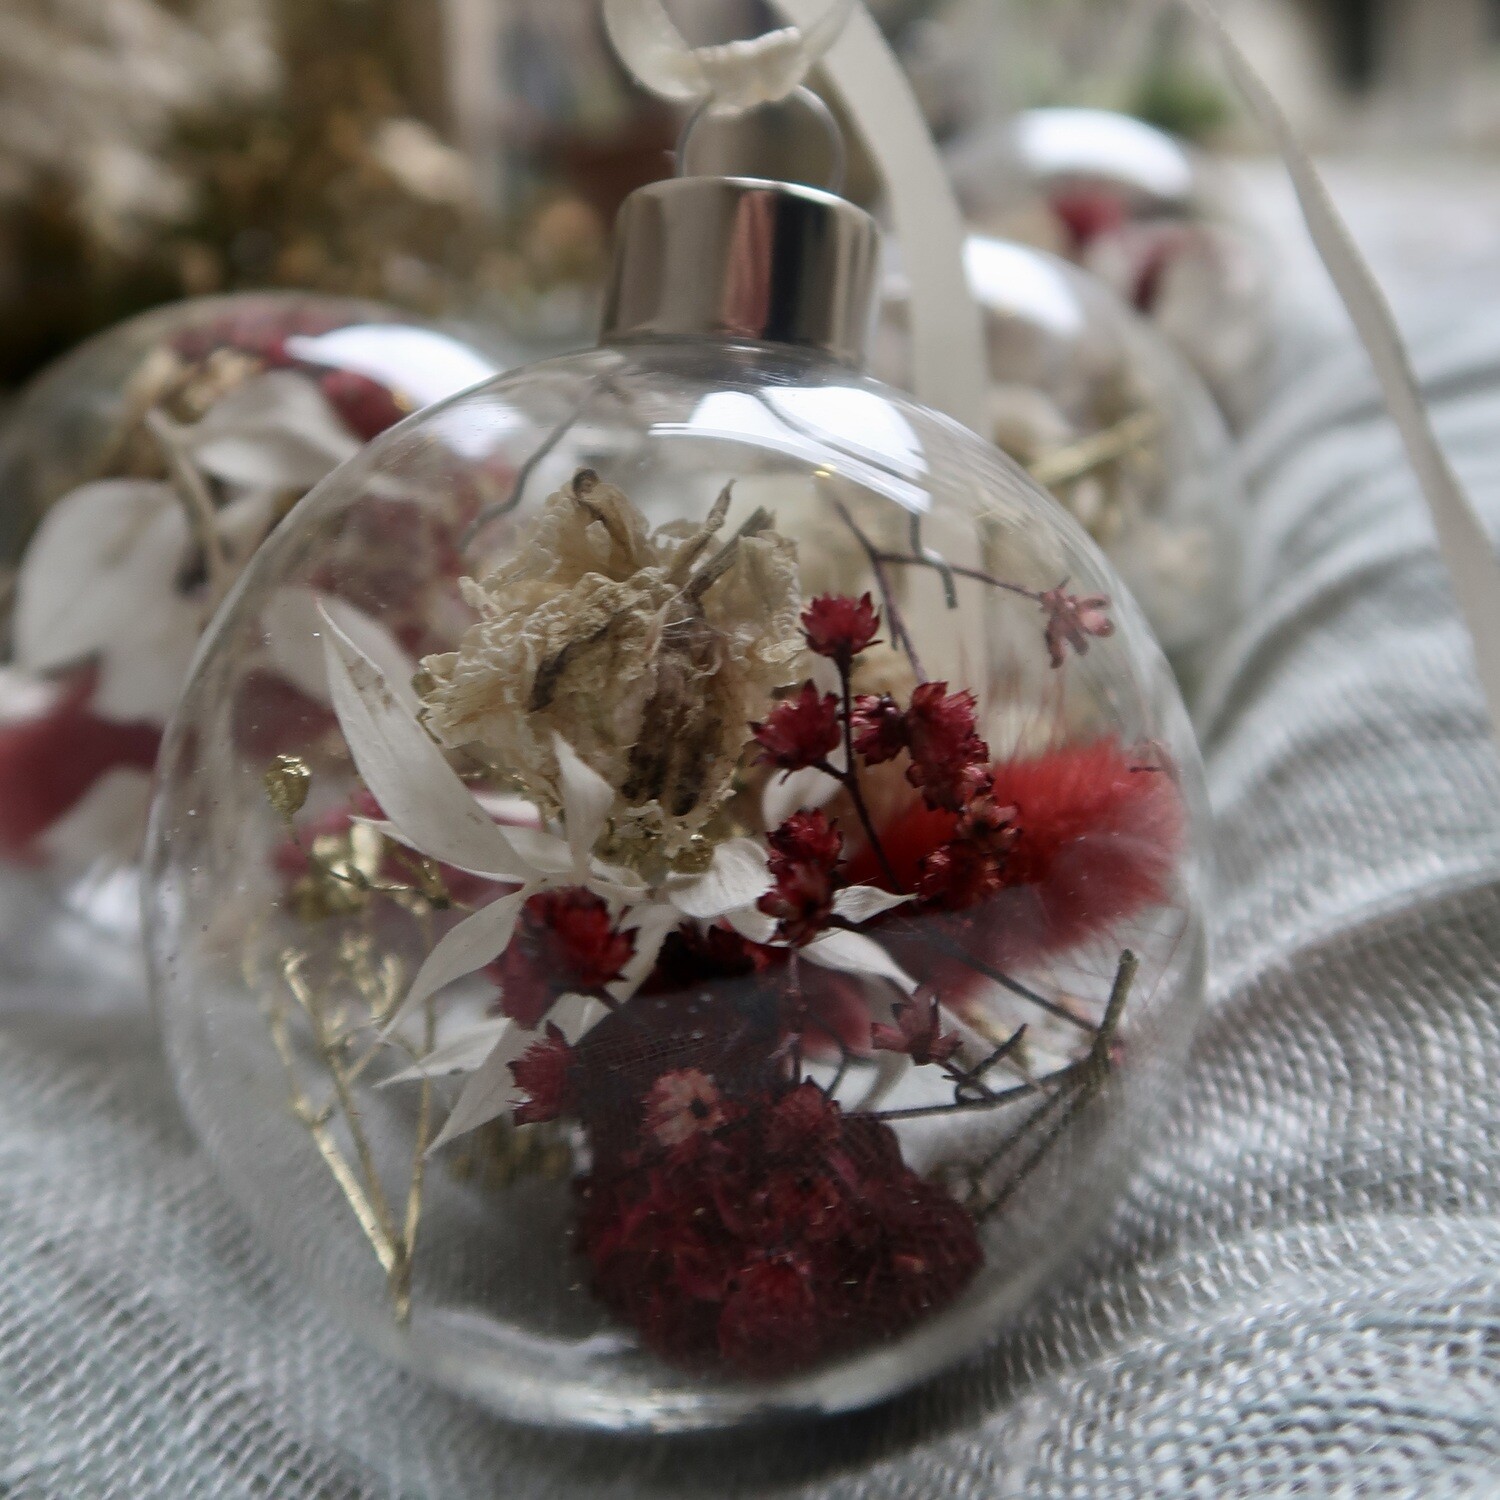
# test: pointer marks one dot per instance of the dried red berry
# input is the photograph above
(879, 727)
(839, 627)
(803, 731)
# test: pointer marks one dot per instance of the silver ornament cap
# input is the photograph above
(739, 258)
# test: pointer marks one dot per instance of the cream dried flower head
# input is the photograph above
(650, 652)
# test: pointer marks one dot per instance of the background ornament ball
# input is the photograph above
(140, 474)
(1146, 213)
(1104, 413)
(715, 943)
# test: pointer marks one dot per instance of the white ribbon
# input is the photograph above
(1465, 546)
(734, 76)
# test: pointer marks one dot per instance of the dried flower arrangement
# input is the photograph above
(647, 778)
(222, 426)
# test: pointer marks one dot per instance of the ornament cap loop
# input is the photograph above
(741, 258)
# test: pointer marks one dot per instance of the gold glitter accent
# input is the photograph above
(288, 780)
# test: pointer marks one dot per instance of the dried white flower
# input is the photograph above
(649, 652)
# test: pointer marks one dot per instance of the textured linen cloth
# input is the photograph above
(1300, 1293)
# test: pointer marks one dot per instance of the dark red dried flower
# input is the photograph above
(788, 1234)
(879, 726)
(770, 1317)
(959, 875)
(1087, 212)
(565, 942)
(805, 852)
(809, 836)
(947, 756)
(681, 1105)
(800, 732)
(987, 825)
(545, 1071)
(839, 627)
(1071, 621)
(918, 1033)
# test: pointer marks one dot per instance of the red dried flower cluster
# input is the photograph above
(1094, 835)
(839, 627)
(805, 854)
(800, 732)
(565, 943)
(778, 1236)
(937, 730)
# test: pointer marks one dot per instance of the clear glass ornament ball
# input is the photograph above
(1156, 220)
(140, 473)
(723, 947)
(1106, 415)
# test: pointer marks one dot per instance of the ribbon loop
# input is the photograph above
(729, 77)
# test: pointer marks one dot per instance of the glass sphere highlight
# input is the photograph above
(1107, 416)
(718, 951)
(141, 472)
(1150, 216)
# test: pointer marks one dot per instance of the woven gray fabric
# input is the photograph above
(1299, 1294)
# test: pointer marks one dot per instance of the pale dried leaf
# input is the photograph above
(854, 953)
(277, 431)
(430, 809)
(586, 798)
(101, 552)
(477, 940)
(859, 903)
(737, 877)
(463, 1053)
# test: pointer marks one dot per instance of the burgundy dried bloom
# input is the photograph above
(986, 824)
(948, 759)
(1071, 621)
(545, 1072)
(879, 727)
(789, 1234)
(959, 875)
(918, 1033)
(800, 732)
(839, 627)
(681, 1105)
(809, 836)
(805, 852)
(770, 1318)
(565, 942)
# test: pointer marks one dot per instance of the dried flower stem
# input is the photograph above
(1077, 461)
(192, 491)
(887, 595)
(1086, 1076)
(1000, 977)
(849, 779)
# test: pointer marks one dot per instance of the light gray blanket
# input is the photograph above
(1300, 1294)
